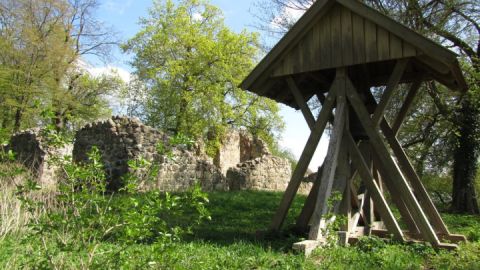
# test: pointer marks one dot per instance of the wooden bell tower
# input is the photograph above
(340, 51)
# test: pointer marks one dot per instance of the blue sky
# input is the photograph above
(123, 16)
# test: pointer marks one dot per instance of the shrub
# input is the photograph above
(85, 215)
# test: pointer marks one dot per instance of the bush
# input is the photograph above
(85, 217)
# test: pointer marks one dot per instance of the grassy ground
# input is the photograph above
(228, 242)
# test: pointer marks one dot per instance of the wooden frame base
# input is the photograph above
(370, 159)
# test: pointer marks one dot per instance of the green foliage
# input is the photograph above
(228, 242)
(41, 43)
(466, 257)
(191, 65)
(181, 139)
(85, 217)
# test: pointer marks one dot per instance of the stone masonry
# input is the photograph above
(32, 149)
(242, 162)
(263, 173)
(121, 139)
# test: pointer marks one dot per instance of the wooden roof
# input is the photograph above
(347, 33)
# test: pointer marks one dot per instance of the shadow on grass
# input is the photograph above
(236, 216)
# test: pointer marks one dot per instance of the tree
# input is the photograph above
(451, 122)
(42, 42)
(191, 65)
(453, 24)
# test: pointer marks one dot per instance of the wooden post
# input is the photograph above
(330, 163)
(388, 167)
(393, 81)
(304, 161)
(372, 186)
(407, 104)
(309, 206)
(411, 175)
(307, 114)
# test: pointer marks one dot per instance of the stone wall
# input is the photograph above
(237, 147)
(229, 153)
(263, 173)
(251, 147)
(33, 151)
(242, 162)
(121, 139)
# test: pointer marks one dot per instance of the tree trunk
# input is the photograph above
(464, 197)
(18, 119)
(59, 121)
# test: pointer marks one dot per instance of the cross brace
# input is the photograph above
(345, 160)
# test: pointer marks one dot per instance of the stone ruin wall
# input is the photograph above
(121, 139)
(238, 147)
(32, 150)
(243, 162)
(263, 173)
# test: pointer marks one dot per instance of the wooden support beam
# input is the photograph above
(307, 113)
(307, 210)
(304, 161)
(366, 152)
(417, 185)
(398, 200)
(407, 168)
(372, 186)
(392, 83)
(407, 104)
(330, 164)
(342, 184)
(389, 167)
(359, 213)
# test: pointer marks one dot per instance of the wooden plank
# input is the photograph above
(392, 83)
(359, 213)
(307, 113)
(407, 168)
(372, 186)
(383, 43)
(304, 160)
(391, 185)
(389, 168)
(371, 51)
(336, 33)
(307, 209)
(330, 164)
(326, 42)
(407, 104)
(417, 185)
(358, 39)
(316, 47)
(408, 49)
(341, 181)
(308, 56)
(407, 34)
(366, 152)
(438, 66)
(347, 37)
(297, 57)
(311, 16)
(396, 50)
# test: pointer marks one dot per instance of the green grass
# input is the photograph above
(228, 242)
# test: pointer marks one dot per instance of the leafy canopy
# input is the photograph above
(191, 65)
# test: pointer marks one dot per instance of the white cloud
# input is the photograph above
(197, 16)
(291, 14)
(117, 6)
(124, 74)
